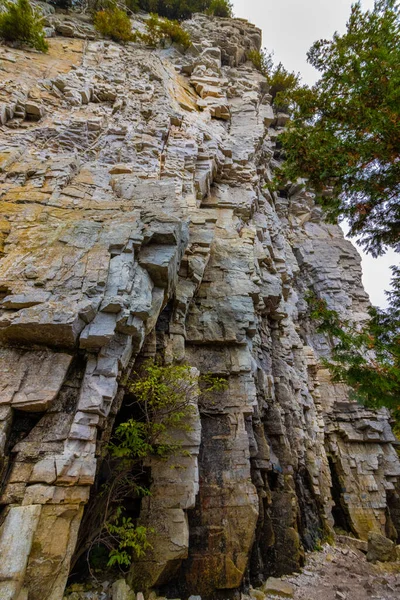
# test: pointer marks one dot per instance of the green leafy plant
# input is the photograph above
(131, 539)
(114, 23)
(162, 406)
(345, 133)
(163, 395)
(20, 22)
(160, 31)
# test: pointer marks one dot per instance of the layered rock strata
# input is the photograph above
(135, 218)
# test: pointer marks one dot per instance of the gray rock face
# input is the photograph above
(135, 219)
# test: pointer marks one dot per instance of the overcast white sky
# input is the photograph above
(289, 29)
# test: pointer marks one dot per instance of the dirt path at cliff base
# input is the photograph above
(343, 573)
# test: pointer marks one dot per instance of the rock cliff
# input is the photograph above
(136, 218)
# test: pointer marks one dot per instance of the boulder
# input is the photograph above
(380, 548)
(361, 545)
(121, 591)
(278, 587)
(34, 111)
(257, 594)
(65, 29)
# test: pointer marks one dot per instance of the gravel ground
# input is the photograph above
(342, 573)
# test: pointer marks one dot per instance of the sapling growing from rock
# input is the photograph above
(163, 404)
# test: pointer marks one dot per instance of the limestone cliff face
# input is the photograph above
(136, 218)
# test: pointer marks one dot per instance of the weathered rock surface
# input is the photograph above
(135, 218)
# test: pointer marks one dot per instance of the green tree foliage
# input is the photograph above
(366, 358)
(344, 138)
(114, 23)
(282, 83)
(20, 22)
(345, 133)
(394, 294)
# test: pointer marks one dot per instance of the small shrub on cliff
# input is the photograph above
(114, 23)
(282, 83)
(262, 60)
(159, 31)
(20, 22)
(183, 9)
(220, 8)
(163, 396)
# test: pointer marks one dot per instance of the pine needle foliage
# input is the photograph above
(366, 357)
(345, 133)
(20, 22)
(344, 138)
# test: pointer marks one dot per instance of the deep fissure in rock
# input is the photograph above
(339, 511)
